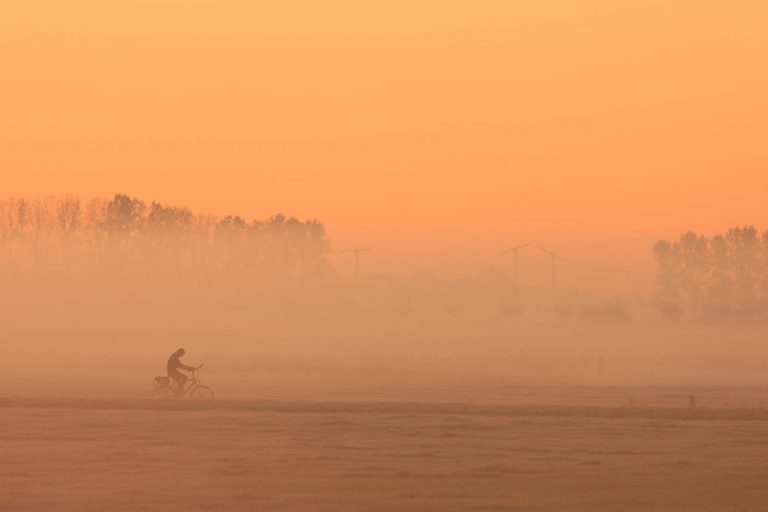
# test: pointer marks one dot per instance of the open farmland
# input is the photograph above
(507, 448)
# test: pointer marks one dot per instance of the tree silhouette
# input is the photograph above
(668, 277)
(123, 240)
(717, 278)
(69, 222)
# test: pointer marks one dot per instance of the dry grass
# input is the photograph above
(283, 455)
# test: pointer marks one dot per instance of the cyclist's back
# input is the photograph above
(173, 367)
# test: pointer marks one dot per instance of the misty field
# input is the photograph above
(490, 447)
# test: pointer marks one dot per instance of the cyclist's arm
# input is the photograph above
(185, 367)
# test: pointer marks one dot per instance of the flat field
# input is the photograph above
(423, 447)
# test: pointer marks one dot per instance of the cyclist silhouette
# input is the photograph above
(174, 365)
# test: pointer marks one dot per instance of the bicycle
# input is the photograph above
(165, 387)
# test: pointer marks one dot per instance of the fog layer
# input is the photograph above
(110, 287)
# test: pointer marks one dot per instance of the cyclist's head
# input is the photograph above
(181, 352)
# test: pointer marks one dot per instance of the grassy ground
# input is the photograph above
(502, 449)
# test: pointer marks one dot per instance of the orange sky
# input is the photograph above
(437, 131)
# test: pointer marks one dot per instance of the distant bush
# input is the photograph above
(612, 310)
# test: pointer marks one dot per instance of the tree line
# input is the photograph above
(719, 277)
(126, 232)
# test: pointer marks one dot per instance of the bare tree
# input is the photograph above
(69, 221)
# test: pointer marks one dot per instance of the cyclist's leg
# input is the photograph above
(181, 379)
(178, 383)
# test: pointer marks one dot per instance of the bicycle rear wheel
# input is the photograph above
(162, 392)
(202, 393)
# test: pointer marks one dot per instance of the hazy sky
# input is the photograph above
(437, 131)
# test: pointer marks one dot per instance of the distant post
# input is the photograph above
(357, 258)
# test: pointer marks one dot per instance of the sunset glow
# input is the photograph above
(440, 132)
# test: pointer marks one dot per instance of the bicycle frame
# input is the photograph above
(189, 384)
(191, 387)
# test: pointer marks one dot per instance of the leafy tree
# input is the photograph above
(123, 215)
(724, 276)
(668, 277)
(124, 238)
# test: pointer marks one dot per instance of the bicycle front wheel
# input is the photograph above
(202, 393)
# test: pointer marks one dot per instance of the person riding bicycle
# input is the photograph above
(174, 365)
